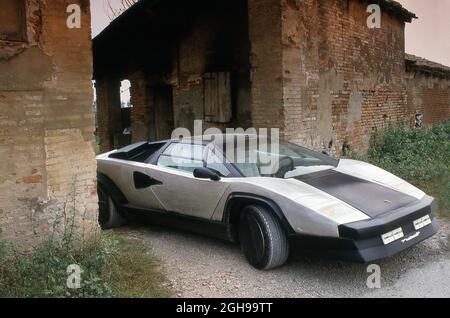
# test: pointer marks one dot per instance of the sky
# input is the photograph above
(99, 16)
(428, 36)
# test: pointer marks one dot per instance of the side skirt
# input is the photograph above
(220, 230)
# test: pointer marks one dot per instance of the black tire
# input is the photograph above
(109, 215)
(262, 238)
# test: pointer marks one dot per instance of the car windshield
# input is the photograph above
(259, 156)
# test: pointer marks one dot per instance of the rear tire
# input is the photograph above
(109, 215)
(262, 238)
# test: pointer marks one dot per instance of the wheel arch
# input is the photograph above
(236, 201)
(109, 185)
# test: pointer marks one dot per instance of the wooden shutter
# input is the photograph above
(13, 20)
(217, 97)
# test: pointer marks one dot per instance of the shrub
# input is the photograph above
(418, 155)
(42, 272)
(111, 266)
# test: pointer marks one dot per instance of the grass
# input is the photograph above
(132, 272)
(419, 155)
(112, 266)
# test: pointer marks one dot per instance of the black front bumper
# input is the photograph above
(361, 241)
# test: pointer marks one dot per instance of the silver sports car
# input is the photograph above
(272, 199)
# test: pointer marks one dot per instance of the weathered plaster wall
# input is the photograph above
(47, 161)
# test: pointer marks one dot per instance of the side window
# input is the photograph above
(187, 157)
(13, 20)
(182, 156)
(216, 162)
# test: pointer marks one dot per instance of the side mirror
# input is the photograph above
(205, 173)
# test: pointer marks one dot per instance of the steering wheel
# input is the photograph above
(286, 164)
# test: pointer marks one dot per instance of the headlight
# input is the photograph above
(342, 213)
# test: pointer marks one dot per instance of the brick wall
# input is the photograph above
(108, 112)
(266, 63)
(429, 96)
(46, 125)
(311, 68)
(141, 111)
(341, 80)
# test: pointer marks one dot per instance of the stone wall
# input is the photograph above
(47, 164)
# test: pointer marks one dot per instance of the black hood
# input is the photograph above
(370, 198)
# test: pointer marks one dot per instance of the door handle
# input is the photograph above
(142, 181)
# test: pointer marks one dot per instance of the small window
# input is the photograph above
(13, 20)
(217, 97)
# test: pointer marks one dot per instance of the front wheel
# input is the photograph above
(262, 238)
(108, 215)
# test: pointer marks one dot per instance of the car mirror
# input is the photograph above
(205, 173)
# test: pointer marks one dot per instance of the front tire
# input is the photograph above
(108, 215)
(262, 238)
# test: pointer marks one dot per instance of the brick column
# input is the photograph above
(108, 112)
(266, 62)
(141, 112)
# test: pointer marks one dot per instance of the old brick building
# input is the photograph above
(312, 68)
(309, 67)
(47, 165)
(428, 89)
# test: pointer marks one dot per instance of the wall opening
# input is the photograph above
(125, 94)
(125, 137)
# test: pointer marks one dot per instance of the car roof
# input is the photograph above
(215, 137)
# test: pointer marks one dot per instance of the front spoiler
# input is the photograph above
(361, 241)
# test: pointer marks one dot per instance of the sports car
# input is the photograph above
(270, 199)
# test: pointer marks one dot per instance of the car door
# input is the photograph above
(138, 186)
(180, 191)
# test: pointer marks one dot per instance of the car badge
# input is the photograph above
(411, 237)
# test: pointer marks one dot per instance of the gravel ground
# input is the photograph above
(198, 266)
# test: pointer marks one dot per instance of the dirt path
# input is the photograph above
(198, 266)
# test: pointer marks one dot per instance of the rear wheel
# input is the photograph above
(108, 215)
(262, 238)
